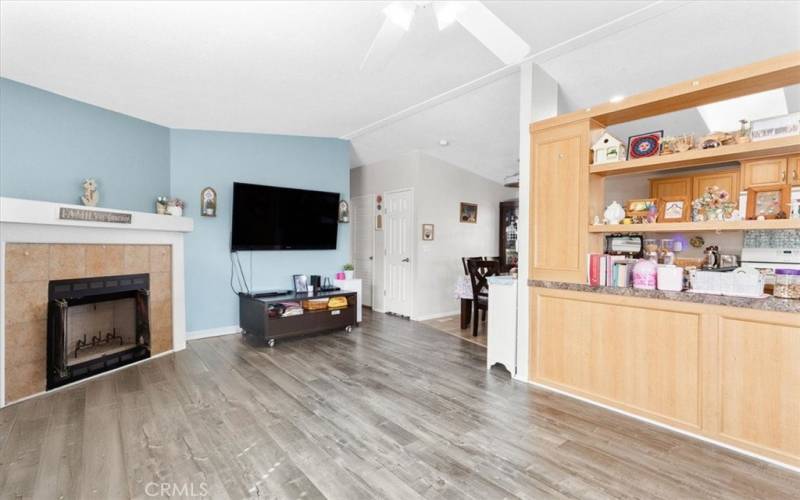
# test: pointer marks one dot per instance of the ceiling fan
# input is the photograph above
(474, 16)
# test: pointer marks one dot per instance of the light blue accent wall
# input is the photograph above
(218, 159)
(49, 144)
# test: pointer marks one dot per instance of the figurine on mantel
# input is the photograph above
(90, 195)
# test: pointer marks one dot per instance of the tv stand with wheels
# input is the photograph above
(258, 327)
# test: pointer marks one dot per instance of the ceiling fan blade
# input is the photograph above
(492, 32)
(383, 44)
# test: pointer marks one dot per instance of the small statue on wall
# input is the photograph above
(90, 195)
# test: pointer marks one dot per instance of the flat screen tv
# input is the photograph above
(278, 218)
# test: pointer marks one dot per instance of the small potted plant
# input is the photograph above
(348, 271)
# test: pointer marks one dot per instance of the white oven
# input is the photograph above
(767, 260)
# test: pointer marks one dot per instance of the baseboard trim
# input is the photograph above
(213, 332)
(87, 379)
(427, 317)
(669, 427)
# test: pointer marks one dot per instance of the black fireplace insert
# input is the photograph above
(95, 325)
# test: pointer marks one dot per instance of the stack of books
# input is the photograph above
(610, 270)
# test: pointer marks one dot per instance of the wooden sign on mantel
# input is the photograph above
(93, 215)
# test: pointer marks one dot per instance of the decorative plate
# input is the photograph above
(644, 145)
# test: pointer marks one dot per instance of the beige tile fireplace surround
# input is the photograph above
(29, 268)
(37, 246)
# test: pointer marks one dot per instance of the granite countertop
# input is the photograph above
(501, 280)
(766, 304)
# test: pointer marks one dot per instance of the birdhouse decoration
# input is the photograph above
(608, 149)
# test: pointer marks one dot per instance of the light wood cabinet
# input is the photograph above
(692, 186)
(559, 203)
(764, 172)
(727, 373)
(724, 179)
(671, 186)
(643, 360)
(794, 171)
(759, 371)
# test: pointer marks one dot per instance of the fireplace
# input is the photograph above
(95, 325)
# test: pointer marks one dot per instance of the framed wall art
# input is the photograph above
(344, 212)
(468, 212)
(379, 213)
(427, 232)
(644, 145)
(208, 202)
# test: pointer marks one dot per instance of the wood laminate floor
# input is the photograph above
(452, 326)
(393, 410)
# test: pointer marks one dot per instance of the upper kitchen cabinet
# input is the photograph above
(764, 172)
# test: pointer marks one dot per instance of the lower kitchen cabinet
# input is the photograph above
(730, 374)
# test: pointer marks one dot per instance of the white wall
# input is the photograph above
(441, 188)
(438, 187)
(374, 179)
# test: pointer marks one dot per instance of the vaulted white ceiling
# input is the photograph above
(293, 67)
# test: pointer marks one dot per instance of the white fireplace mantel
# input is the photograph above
(18, 211)
(29, 221)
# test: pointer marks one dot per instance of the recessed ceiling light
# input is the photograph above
(400, 13)
(447, 13)
(617, 98)
(444, 142)
(724, 116)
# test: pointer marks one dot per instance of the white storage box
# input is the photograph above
(742, 282)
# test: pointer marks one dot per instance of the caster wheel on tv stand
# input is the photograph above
(271, 342)
(348, 329)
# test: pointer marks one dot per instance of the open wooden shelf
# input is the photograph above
(697, 157)
(713, 226)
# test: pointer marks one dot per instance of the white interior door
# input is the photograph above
(398, 240)
(362, 210)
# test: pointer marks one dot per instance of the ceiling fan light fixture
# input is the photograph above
(400, 13)
(447, 13)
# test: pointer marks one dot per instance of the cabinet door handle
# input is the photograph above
(794, 174)
(783, 175)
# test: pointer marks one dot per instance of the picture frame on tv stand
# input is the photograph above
(300, 283)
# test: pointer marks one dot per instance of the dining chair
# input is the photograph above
(479, 270)
(464, 263)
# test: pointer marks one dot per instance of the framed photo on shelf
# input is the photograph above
(768, 201)
(644, 145)
(640, 207)
(468, 212)
(674, 209)
(427, 232)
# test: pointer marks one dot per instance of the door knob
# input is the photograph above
(405, 260)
